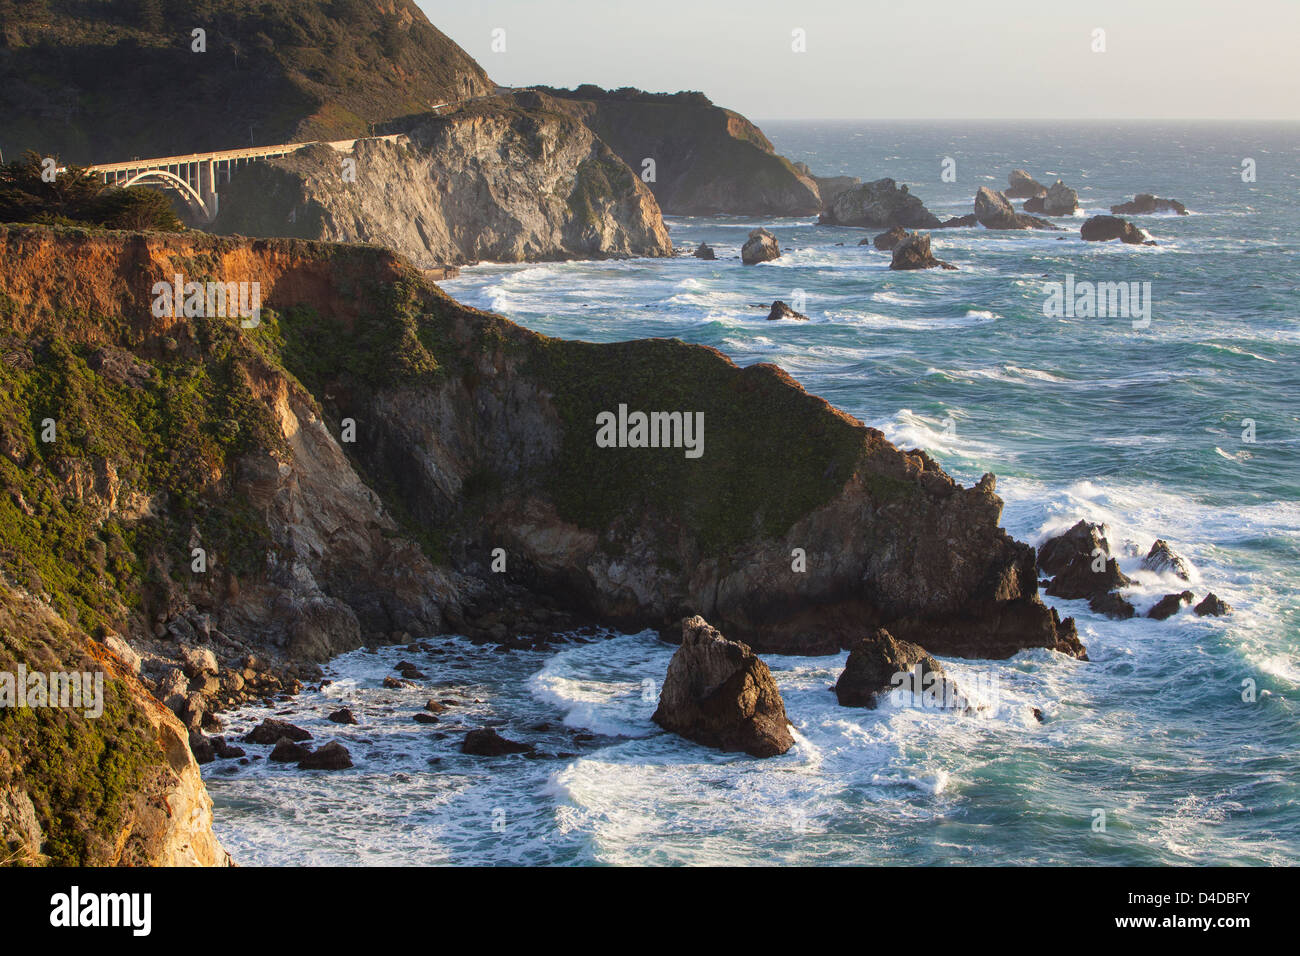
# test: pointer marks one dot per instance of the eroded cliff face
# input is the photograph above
(349, 463)
(707, 160)
(493, 180)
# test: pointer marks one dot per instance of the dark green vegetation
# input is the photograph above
(81, 774)
(75, 197)
(100, 81)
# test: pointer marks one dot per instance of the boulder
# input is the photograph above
(123, 652)
(271, 730)
(343, 715)
(435, 707)
(286, 751)
(1060, 200)
(887, 240)
(1165, 560)
(880, 663)
(761, 246)
(202, 748)
(1213, 605)
(226, 751)
(957, 222)
(1144, 204)
(1112, 605)
(704, 251)
(1106, 228)
(880, 205)
(333, 756)
(488, 743)
(423, 718)
(1079, 572)
(1170, 604)
(782, 311)
(994, 211)
(1020, 185)
(914, 253)
(197, 661)
(719, 694)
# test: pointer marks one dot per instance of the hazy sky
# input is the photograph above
(923, 59)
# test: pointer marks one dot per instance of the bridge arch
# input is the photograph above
(171, 181)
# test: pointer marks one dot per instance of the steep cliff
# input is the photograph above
(707, 160)
(101, 82)
(348, 463)
(496, 180)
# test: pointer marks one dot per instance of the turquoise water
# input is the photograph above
(1079, 417)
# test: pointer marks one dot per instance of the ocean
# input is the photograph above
(1176, 744)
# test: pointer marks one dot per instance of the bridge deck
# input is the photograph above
(229, 155)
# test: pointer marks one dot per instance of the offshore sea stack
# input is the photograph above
(1145, 204)
(879, 205)
(913, 252)
(718, 693)
(1020, 185)
(994, 211)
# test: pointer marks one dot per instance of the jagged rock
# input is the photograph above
(286, 751)
(488, 743)
(880, 204)
(1163, 559)
(1071, 559)
(914, 253)
(1112, 605)
(719, 694)
(1106, 228)
(1213, 605)
(994, 211)
(704, 251)
(1146, 204)
(1170, 604)
(782, 311)
(333, 756)
(423, 718)
(343, 715)
(202, 748)
(761, 246)
(226, 751)
(879, 664)
(887, 240)
(271, 730)
(435, 707)
(959, 222)
(124, 652)
(1020, 185)
(197, 661)
(1060, 200)
(394, 683)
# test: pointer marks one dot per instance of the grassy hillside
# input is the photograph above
(99, 81)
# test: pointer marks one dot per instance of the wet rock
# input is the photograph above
(1144, 204)
(202, 748)
(994, 211)
(271, 730)
(226, 751)
(409, 670)
(761, 246)
(486, 742)
(1106, 228)
(393, 683)
(1060, 200)
(1020, 185)
(1165, 560)
(704, 251)
(782, 311)
(913, 252)
(343, 715)
(1169, 605)
(887, 240)
(881, 204)
(435, 707)
(1213, 605)
(425, 718)
(957, 222)
(1112, 605)
(880, 663)
(286, 751)
(1081, 540)
(718, 693)
(333, 756)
